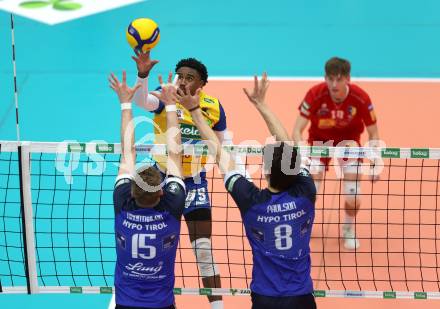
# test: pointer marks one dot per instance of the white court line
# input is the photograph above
(320, 78)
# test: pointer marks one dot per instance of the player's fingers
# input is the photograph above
(256, 83)
(124, 77)
(170, 77)
(135, 58)
(114, 78)
(187, 91)
(112, 83)
(176, 97)
(176, 81)
(136, 87)
(156, 94)
(160, 80)
(136, 52)
(180, 92)
(247, 93)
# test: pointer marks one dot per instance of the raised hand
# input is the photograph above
(187, 100)
(168, 93)
(259, 92)
(143, 62)
(124, 92)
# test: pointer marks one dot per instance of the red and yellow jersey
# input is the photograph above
(337, 121)
(215, 116)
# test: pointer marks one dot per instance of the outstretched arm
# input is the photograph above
(144, 65)
(125, 95)
(257, 97)
(192, 104)
(168, 95)
(299, 126)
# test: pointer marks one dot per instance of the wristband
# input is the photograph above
(194, 108)
(170, 108)
(125, 106)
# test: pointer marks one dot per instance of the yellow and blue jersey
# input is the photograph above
(214, 115)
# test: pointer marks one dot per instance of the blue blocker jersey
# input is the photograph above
(146, 245)
(278, 227)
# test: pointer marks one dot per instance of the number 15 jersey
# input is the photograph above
(146, 244)
(278, 227)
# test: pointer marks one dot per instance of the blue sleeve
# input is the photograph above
(121, 194)
(161, 106)
(221, 124)
(304, 185)
(243, 191)
(174, 196)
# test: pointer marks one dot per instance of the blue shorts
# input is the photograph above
(197, 195)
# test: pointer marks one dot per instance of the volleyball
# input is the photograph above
(143, 34)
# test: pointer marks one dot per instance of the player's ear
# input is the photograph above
(348, 78)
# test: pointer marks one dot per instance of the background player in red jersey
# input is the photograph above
(338, 112)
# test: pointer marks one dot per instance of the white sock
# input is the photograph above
(218, 304)
(348, 220)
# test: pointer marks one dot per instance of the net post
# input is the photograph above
(27, 218)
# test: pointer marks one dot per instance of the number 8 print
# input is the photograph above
(283, 232)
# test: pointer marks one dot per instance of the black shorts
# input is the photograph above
(202, 214)
(290, 302)
(126, 307)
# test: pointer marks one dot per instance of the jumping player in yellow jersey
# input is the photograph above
(192, 75)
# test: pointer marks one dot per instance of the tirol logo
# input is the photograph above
(319, 293)
(205, 291)
(76, 147)
(319, 152)
(140, 269)
(391, 153)
(420, 153)
(106, 290)
(420, 295)
(177, 291)
(189, 131)
(233, 291)
(105, 148)
(389, 295)
(76, 290)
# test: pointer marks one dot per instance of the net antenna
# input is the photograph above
(17, 123)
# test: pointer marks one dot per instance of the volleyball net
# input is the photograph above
(57, 223)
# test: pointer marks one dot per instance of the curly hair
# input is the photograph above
(196, 65)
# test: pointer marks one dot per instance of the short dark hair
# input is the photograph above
(276, 165)
(337, 66)
(196, 65)
(152, 177)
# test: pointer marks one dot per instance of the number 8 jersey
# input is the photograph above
(278, 227)
(146, 244)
